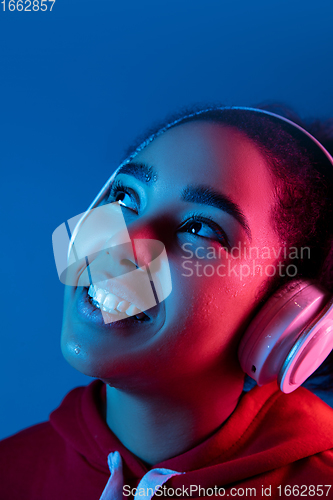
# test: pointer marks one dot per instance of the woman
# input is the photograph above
(209, 186)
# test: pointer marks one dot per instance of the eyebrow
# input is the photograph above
(141, 171)
(203, 195)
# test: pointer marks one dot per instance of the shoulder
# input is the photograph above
(299, 409)
(32, 439)
(38, 439)
(287, 427)
(24, 455)
(38, 453)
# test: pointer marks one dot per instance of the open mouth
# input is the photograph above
(114, 307)
(89, 310)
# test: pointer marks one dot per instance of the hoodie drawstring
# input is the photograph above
(148, 484)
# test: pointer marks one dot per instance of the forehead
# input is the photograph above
(216, 155)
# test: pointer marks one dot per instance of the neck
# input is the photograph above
(156, 427)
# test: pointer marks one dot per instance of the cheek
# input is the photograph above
(207, 302)
(68, 297)
(216, 296)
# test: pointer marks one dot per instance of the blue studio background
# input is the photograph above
(78, 84)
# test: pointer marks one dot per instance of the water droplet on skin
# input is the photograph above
(77, 350)
(148, 177)
(155, 178)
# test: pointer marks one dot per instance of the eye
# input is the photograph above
(204, 227)
(126, 197)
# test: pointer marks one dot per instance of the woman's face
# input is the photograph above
(209, 203)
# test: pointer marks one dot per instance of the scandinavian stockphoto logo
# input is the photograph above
(242, 261)
(88, 250)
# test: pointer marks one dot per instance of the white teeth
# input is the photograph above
(100, 296)
(106, 309)
(132, 310)
(123, 305)
(109, 302)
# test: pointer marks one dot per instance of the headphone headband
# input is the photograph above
(290, 122)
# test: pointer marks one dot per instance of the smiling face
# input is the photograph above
(210, 200)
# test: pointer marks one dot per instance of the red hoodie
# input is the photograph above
(272, 443)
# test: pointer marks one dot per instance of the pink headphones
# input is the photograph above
(293, 332)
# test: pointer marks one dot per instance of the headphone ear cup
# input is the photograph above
(289, 337)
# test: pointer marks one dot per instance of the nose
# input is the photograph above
(134, 246)
(142, 251)
(113, 249)
(150, 253)
(128, 250)
(104, 231)
(145, 242)
(103, 247)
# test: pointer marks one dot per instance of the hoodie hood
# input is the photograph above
(268, 430)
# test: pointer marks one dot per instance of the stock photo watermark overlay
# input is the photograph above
(242, 261)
